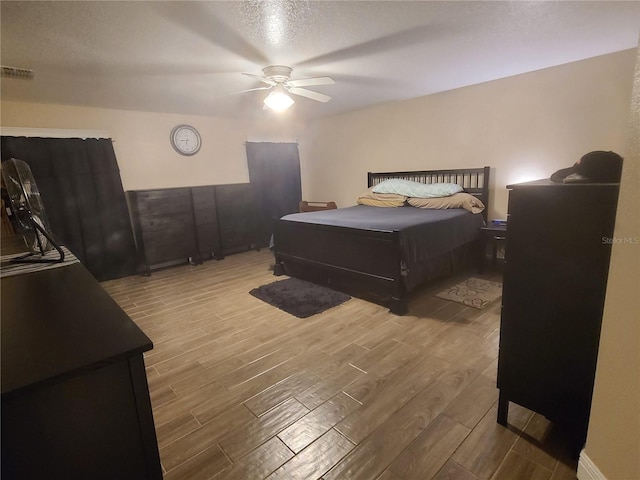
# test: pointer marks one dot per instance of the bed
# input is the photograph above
(383, 254)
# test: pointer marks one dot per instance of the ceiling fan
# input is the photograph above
(277, 79)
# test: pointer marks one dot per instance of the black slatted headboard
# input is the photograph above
(474, 180)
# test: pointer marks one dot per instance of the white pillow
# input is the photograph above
(410, 188)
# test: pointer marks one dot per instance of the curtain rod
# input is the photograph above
(52, 132)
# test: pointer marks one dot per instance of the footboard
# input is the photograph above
(366, 264)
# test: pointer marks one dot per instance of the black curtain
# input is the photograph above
(82, 193)
(274, 171)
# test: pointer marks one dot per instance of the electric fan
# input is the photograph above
(29, 212)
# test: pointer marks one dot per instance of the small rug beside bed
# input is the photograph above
(473, 292)
(298, 297)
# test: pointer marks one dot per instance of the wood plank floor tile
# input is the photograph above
(183, 384)
(259, 463)
(349, 353)
(542, 442)
(176, 428)
(201, 467)
(390, 397)
(388, 475)
(259, 430)
(188, 402)
(259, 367)
(205, 436)
(472, 404)
(430, 450)
(317, 422)
(281, 391)
(422, 332)
(231, 377)
(229, 346)
(160, 396)
(183, 358)
(316, 459)
(385, 357)
(378, 450)
(487, 445)
(565, 470)
(454, 471)
(517, 466)
(208, 403)
(329, 386)
(379, 334)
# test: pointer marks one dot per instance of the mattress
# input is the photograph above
(425, 234)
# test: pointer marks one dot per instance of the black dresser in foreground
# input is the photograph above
(557, 261)
(75, 401)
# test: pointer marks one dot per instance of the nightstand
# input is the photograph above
(492, 234)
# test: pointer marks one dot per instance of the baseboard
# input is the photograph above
(587, 470)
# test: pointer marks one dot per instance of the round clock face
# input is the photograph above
(185, 140)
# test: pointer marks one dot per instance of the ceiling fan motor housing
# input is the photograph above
(277, 73)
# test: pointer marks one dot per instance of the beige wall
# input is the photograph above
(525, 127)
(613, 441)
(141, 142)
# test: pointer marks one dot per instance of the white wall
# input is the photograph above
(141, 141)
(613, 440)
(525, 127)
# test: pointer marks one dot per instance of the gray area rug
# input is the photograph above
(298, 297)
(473, 292)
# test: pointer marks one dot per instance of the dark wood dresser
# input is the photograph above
(75, 401)
(557, 260)
(176, 225)
(205, 221)
(164, 226)
(239, 217)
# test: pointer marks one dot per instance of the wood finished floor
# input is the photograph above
(241, 390)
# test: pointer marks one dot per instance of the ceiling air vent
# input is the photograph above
(13, 72)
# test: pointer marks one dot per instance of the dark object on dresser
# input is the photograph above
(594, 167)
(75, 400)
(369, 263)
(557, 261)
(176, 225)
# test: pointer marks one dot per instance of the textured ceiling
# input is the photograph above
(187, 57)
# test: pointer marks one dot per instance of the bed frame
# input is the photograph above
(365, 264)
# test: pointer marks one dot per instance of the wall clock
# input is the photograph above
(185, 140)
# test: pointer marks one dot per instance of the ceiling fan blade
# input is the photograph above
(244, 91)
(260, 78)
(303, 92)
(411, 36)
(200, 18)
(252, 90)
(309, 82)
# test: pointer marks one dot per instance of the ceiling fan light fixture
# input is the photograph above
(278, 100)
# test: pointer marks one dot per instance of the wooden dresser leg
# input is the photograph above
(503, 409)
(278, 269)
(398, 306)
